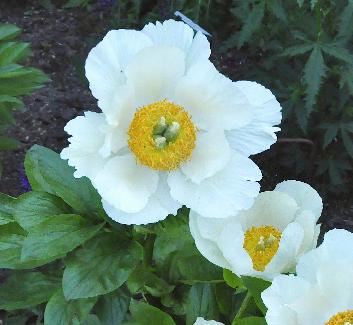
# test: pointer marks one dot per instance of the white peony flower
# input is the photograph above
(322, 291)
(202, 321)
(173, 131)
(266, 239)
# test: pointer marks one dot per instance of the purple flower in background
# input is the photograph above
(24, 180)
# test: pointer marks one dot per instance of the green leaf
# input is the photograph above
(59, 311)
(255, 287)
(75, 3)
(252, 23)
(144, 314)
(100, 267)
(112, 308)
(330, 134)
(232, 279)
(300, 2)
(6, 209)
(47, 172)
(297, 50)
(345, 27)
(91, 320)
(201, 303)
(277, 8)
(8, 143)
(8, 31)
(32, 208)
(10, 102)
(338, 52)
(25, 290)
(251, 321)
(347, 141)
(12, 52)
(314, 72)
(313, 3)
(56, 236)
(12, 237)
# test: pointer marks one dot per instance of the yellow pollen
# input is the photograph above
(343, 318)
(162, 135)
(262, 244)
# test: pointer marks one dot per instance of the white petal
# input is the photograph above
(231, 243)
(211, 98)
(286, 257)
(305, 196)
(202, 321)
(125, 184)
(153, 73)
(180, 35)
(87, 138)
(221, 195)
(208, 248)
(159, 206)
(281, 315)
(270, 209)
(211, 154)
(105, 64)
(259, 134)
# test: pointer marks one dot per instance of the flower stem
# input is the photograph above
(243, 307)
(148, 250)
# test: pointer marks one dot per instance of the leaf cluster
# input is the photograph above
(15, 80)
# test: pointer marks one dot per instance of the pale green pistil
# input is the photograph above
(164, 132)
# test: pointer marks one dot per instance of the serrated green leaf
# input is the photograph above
(330, 134)
(277, 8)
(314, 72)
(256, 286)
(252, 23)
(56, 236)
(144, 314)
(32, 208)
(113, 307)
(25, 290)
(201, 303)
(8, 31)
(338, 52)
(347, 141)
(47, 172)
(297, 49)
(345, 27)
(59, 311)
(100, 267)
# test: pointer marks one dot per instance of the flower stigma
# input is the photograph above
(162, 135)
(343, 318)
(262, 244)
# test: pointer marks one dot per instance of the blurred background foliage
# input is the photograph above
(15, 80)
(301, 50)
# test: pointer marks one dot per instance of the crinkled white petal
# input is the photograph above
(180, 35)
(153, 73)
(231, 243)
(260, 132)
(105, 65)
(211, 154)
(202, 321)
(205, 232)
(158, 207)
(282, 315)
(306, 197)
(211, 98)
(285, 259)
(270, 209)
(125, 184)
(222, 195)
(87, 138)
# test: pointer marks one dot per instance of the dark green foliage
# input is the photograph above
(15, 80)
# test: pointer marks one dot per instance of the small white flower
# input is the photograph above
(322, 291)
(173, 131)
(266, 239)
(202, 321)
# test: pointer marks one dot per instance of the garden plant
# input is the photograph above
(152, 214)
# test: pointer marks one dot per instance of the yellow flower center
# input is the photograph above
(262, 244)
(343, 318)
(162, 135)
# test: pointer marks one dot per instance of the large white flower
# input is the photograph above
(322, 291)
(202, 321)
(173, 131)
(266, 239)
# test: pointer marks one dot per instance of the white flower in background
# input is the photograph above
(173, 131)
(266, 239)
(202, 321)
(322, 291)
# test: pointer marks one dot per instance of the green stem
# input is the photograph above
(148, 250)
(243, 307)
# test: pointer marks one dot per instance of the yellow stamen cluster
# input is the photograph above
(343, 318)
(262, 244)
(162, 151)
